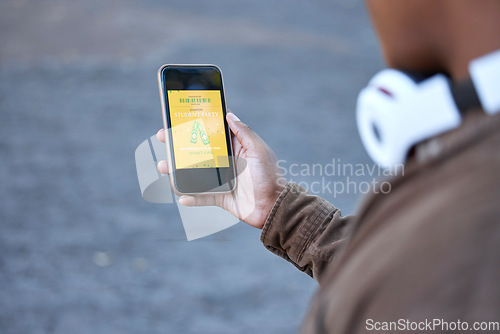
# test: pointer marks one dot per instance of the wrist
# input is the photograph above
(272, 201)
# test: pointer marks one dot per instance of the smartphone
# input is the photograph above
(198, 138)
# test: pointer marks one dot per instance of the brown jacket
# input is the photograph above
(427, 250)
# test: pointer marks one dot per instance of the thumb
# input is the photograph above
(199, 200)
(245, 135)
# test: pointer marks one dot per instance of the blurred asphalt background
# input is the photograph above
(80, 251)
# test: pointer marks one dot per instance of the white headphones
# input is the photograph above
(394, 112)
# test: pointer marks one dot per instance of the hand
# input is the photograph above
(257, 186)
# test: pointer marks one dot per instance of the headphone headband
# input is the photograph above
(485, 74)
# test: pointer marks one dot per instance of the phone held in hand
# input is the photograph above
(197, 136)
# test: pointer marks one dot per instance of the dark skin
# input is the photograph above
(436, 35)
(419, 35)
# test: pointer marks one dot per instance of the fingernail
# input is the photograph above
(185, 200)
(162, 167)
(233, 117)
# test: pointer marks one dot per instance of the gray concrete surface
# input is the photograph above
(80, 251)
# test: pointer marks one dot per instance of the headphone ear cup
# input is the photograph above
(394, 113)
(378, 114)
(375, 117)
(393, 83)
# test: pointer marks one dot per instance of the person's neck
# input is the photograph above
(460, 59)
(473, 32)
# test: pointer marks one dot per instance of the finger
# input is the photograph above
(245, 135)
(199, 200)
(160, 135)
(162, 166)
(236, 145)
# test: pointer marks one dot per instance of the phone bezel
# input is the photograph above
(201, 173)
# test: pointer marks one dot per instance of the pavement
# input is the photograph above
(80, 251)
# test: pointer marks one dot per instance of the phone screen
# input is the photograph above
(198, 134)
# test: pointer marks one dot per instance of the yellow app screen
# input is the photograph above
(197, 125)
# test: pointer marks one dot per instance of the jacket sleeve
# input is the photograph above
(304, 229)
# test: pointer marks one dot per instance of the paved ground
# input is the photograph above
(80, 251)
